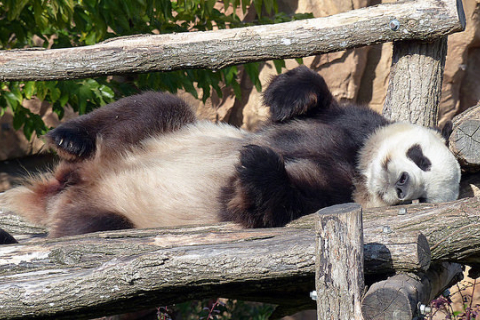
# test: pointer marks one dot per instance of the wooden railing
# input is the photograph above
(115, 272)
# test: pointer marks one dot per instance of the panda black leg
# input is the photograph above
(6, 238)
(120, 125)
(260, 193)
(81, 220)
(297, 93)
(71, 142)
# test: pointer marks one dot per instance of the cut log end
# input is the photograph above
(465, 143)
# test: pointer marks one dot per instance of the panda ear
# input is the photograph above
(447, 130)
(298, 92)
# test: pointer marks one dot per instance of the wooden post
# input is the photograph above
(339, 262)
(416, 76)
(415, 83)
(399, 297)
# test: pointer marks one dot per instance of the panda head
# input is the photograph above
(402, 162)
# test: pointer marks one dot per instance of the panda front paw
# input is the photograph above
(259, 171)
(71, 143)
(258, 194)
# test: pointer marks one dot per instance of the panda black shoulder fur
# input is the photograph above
(145, 161)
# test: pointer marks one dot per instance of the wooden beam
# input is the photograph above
(421, 20)
(415, 83)
(400, 296)
(152, 262)
(89, 274)
(339, 262)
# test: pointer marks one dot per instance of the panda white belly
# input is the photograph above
(172, 179)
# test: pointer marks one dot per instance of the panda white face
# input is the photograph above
(404, 162)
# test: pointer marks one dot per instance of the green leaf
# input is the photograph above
(18, 120)
(15, 89)
(12, 100)
(42, 90)
(64, 99)
(90, 38)
(29, 89)
(15, 12)
(279, 64)
(258, 4)
(253, 71)
(269, 6)
(107, 92)
(209, 6)
(230, 75)
(54, 94)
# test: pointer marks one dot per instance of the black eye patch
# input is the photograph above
(415, 154)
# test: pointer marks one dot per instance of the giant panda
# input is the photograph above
(146, 161)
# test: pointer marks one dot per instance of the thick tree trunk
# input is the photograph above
(420, 19)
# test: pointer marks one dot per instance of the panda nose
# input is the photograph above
(402, 185)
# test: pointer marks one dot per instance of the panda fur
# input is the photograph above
(146, 161)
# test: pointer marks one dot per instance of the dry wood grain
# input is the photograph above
(339, 262)
(148, 266)
(415, 83)
(421, 20)
(465, 139)
(88, 275)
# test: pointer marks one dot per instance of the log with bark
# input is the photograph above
(465, 139)
(88, 275)
(415, 83)
(421, 20)
(339, 276)
(401, 296)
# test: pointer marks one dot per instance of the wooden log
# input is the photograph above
(415, 83)
(379, 248)
(452, 228)
(21, 229)
(399, 297)
(101, 274)
(465, 139)
(339, 262)
(421, 19)
(385, 252)
(86, 276)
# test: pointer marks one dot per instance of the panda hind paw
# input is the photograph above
(71, 143)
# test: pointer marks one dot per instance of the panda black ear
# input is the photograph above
(298, 92)
(447, 130)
